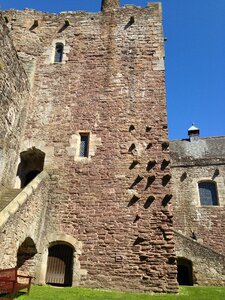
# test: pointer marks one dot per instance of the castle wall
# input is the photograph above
(14, 95)
(192, 162)
(24, 219)
(111, 86)
(208, 266)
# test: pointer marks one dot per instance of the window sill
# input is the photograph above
(83, 159)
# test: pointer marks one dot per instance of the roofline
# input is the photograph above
(201, 138)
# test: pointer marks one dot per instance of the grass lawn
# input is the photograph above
(51, 293)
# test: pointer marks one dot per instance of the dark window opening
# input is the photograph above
(84, 144)
(58, 52)
(184, 272)
(6, 20)
(31, 164)
(208, 193)
(60, 265)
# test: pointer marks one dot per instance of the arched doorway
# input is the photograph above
(60, 265)
(25, 255)
(31, 164)
(184, 271)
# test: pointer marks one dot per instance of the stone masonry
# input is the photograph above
(24, 218)
(193, 161)
(113, 206)
(14, 98)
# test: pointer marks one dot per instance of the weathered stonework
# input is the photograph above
(113, 206)
(24, 218)
(14, 100)
(206, 221)
(193, 162)
(208, 265)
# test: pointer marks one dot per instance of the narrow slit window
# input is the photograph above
(58, 52)
(208, 193)
(84, 144)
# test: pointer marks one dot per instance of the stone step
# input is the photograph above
(7, 195)
(10, 193)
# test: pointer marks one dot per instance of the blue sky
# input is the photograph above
(195, 58)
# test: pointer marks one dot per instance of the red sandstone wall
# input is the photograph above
(113, 78)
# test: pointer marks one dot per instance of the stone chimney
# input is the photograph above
(110, 4)
(193, 133)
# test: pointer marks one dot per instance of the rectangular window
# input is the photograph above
(84, 144)
(58, 52)
(208, 193)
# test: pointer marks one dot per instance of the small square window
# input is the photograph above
(84, 144)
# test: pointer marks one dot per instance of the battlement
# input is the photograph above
(41, 18)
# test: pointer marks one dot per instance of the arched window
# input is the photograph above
(58, 52)
(208, 193)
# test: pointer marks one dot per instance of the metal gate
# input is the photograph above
(60, 265)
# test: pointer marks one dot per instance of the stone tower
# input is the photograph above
(96, 123)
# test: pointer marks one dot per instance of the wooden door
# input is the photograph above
(60, 265)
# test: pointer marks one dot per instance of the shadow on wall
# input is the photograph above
(25, 254)
(31, 164)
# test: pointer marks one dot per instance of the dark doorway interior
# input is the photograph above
(31, 164)
(185, 274)
(60, 265)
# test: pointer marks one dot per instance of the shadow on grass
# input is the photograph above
(18, 294)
